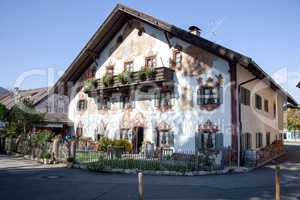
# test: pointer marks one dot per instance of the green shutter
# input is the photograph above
(220, 99)
(219, 141)
(156, 99)
(198, 142)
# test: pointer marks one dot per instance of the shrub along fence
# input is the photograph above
(161, 160)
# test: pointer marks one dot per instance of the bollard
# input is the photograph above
(141, 185)
(277, 183)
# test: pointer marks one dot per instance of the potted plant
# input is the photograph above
(124, 77)
(70, 162)
(89, 84)
(107, 80)
(98, 82)
(146, 73)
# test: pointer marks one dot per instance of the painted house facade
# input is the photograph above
(144, 80)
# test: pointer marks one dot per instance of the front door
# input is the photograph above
(137, 139)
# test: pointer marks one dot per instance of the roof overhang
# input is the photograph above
(121, 14)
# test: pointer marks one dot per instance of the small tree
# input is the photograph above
(3, 113)
(293, 120)
(22, 118)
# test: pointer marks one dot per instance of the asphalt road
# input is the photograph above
(22, 179)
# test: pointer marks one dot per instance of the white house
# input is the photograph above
(142, 79)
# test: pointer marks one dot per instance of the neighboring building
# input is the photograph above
(190, 104)
(3, 91)
(52, 106)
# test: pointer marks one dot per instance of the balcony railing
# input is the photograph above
(160, 75)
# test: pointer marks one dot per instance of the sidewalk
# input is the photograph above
(19, 162)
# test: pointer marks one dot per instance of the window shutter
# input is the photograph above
(132, 101)
(156, 99)
(220, 99)
(219, 141)
(198, 141)
(171, 139)
(199, 96)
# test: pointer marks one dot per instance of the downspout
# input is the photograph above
(240, 119)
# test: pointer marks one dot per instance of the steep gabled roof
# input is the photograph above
(121, 14)
(36, 95)
(298, 85)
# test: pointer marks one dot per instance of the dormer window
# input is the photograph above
(150, 62)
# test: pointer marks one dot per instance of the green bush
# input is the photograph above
(135, 164)
(42, 137)
(107, 80)
(105, 143)
(123, 144)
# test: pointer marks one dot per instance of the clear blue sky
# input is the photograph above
(37, 35)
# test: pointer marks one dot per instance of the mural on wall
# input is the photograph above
(125, 121)
(139, 120)
(208, 127)
(163, 126)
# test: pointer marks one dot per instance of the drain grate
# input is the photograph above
(52, 177)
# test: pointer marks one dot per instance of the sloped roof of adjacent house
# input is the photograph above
(37, 95)
(298, 85)
(121, 14)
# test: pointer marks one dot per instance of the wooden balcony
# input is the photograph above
(162, 75)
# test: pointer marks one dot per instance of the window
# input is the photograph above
(258, 140)
(124, 134)
(247, 141)
(258, 101)
(103, 103)
(177, 58)
(266, 105)
(150, 62)
(128, 66)
(110, 70)
(163, 100)
(274, 110)
(208, 141)
(82, 105)
(165, 138)
(126, 102)
(245, 96)
(209, 95)
(268, 138)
